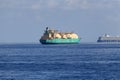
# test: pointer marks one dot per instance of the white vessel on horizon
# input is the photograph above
(108, 38)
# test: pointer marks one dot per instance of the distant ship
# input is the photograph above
(56, 37)
(108, 38)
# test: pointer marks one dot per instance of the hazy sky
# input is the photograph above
(23, 21)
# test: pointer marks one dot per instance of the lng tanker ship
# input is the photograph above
(108, 38)
(56, 37)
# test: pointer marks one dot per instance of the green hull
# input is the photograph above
(60, 41)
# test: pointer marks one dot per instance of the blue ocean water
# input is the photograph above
(60, 62)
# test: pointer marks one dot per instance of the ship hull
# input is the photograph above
(60, 41)
(109, 41)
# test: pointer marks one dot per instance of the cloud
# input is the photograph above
(16, 4)
(44, 4)
(76, 4)
(60, 4)
(52, 3)
(92, 4)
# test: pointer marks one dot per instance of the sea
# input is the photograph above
(84, 61)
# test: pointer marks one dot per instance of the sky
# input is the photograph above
(24, 21)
